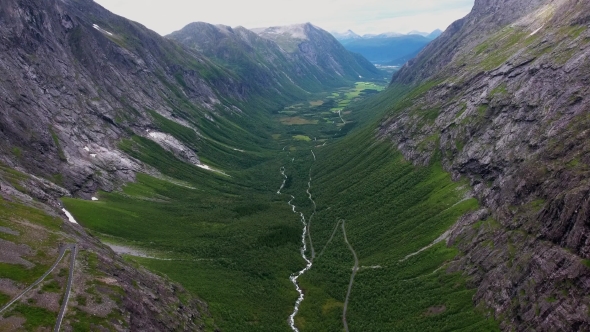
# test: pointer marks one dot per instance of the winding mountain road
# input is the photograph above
(62, 252)
(66, 297)
(307, 234)
(284, 180)
(341, 118)
(355, 269)
(312, 214)
(331, 237)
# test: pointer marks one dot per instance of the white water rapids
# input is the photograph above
(295, 276)
(284, 180)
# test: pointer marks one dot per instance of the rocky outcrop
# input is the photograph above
(487, 17)
(76, 79)
(504, 104)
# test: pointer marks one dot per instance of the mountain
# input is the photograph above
(384, 35)
(499, 100)
(252, 169)
(263, 62)
(381, 49)
(319, 48)
(391, 48)
(419, 33)
(434, 34)
(345, 36)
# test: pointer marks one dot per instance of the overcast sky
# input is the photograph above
(361, 16)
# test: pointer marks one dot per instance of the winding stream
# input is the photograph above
(284, 180)
(296, 275)
(306, 233)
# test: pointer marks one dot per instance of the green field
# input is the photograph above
(234, 241)
(318, 117)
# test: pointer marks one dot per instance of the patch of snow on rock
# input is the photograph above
(171, 144)
(94, 199)
(101, 29)
(534, 32)
(295, 31)
(69, 215)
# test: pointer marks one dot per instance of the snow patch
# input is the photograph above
(93, 155)
(101, 29)
(534, 32)
(208, 168)
(94, 199)
(203, 166)
(296, 31)
(169, 143)
(87, 149)
(69, 215)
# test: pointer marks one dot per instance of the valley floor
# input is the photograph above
(234, 240)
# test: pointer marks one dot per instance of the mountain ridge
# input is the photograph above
(266, 62)
(488, 90)
(387, 48)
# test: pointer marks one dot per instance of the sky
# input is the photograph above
(361, 16)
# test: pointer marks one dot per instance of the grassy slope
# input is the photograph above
(391, 209)
(234, 241)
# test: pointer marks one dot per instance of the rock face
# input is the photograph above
(169, 143)
(76, 79)
(501, 98)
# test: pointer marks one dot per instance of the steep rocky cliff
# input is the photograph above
(501, 98)
(76, 79)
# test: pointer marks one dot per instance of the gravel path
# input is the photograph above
(62, 252)
(64, 305)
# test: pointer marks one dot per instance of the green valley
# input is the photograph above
(223, 178)
(234, 242)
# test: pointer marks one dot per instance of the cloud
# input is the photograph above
(367, 16)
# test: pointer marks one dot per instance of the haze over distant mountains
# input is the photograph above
(390, 48)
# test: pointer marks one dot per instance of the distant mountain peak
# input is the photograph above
(347, 35)
(297, 31)
(420, 33)
(434, 34)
